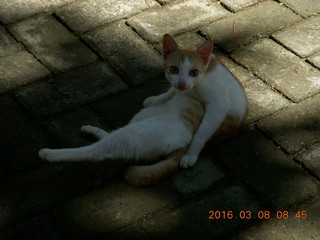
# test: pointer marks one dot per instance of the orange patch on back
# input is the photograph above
(192, 116)
(227, 129)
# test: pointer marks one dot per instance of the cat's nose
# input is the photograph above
(182, 84)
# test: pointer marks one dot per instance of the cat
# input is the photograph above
(205, 101)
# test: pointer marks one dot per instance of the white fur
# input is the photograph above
(222, 95)
(153, 132)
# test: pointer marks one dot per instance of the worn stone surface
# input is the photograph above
(84, 15)
(134, 233)
(19, 69)
(70, 89)
(39, 228)
(166, 1)
(52, 43)
(296, 127)
(304, 8)
(291, 228)
(111, 207)
(28, 194)
(188, 40)
(66, 126)
(176, 18)
(280, 68)
(14, 10)
(191, 220)
(8, 45)
(236, 5)
(21, 138)
(311, 159)
(266, 169)
(242, 75)
(302, 38)
(315, 60)
(203, 175)
(117, 116)
(262, 99)
(132, 57)
(249, 25)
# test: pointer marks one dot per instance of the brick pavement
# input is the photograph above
(64, 64)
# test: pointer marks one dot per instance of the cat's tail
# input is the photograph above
(148, 175)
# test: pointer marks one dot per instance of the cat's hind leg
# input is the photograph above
(95, 131)
(93, 152)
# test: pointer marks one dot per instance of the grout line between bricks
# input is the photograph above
(288, 7)
(268, 84)
(291, 156)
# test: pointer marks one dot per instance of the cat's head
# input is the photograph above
(184, 69)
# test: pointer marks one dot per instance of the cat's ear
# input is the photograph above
(169, 45)
(205, 51)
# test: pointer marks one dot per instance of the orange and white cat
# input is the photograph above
(205, 101)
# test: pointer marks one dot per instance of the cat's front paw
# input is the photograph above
(188, 161)
(150, 101)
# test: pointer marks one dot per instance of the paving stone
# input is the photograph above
(132, 233)
(39, 228)
(250, 24)
(71, 89)
(117, 116)
(14, 10)
(236, 5)
(311, 159)
(315, 60)
(266, 169)
(280, 68)
(66, 126)
(262, 99)
(132, 57)
(19, 69)
(84, 15)
(176, 18)
(26, 195)
(291, 228)
(110, 208)
(296, 127)
(199, 178)
(166, 1)
(52, 43)
(304, 8)
(238, 71)
(8, 45)
(21, 138)
(302, 38)
(191, 220)
(188, 40)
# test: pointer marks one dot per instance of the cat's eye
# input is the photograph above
(194, 72)
(173, 70)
